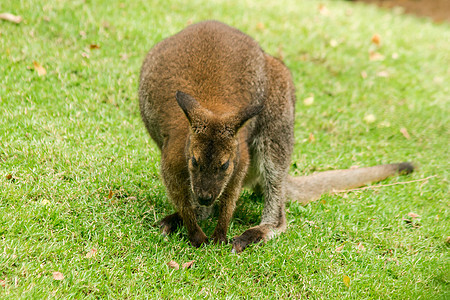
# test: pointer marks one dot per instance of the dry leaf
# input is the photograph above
(260, 26)
(188, 264)
(376, 39)
(364, 74)
(383, 74)
(94, 46)
(85, 54)
(110, 194)
(58, 276)
(39, 69)
(308, 101)
(91, 253)
(413, 215)
(375, 56)
(448, 240)
(346, 280)
(8, 177)
(3, 283)
(323, 10)
(361, 247)
(173, 265)
(405, 133)
(370, 118)
(339, 249)
(11, 18)
(311, 138)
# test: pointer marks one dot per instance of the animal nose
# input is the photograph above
(205, 199)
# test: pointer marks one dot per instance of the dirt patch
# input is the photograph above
(438, 10)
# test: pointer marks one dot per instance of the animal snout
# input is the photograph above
(205, 199)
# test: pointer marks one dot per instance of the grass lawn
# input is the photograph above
(79, 176)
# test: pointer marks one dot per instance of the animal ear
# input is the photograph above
(248, 113)
(188, 104)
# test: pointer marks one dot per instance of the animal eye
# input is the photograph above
(194, 162)
(225, 166)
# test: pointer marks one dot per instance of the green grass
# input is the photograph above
(70, 137)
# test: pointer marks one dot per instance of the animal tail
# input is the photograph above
(309, 188)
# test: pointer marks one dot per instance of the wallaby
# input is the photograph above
(221, 111)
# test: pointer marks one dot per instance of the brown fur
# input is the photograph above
(222, 113)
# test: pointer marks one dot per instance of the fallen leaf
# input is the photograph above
(375, 56)
(413, 215)
(8, 177)
(323, 10)
(94, 46)
(364, 74)
(58, 276)
(370, 118)
(39, 69)
(83, 33)
(3, 283)
(110, 194)
(188, 264)
(91, 253)
(405, 133)
(346, 280)
(85, 54)
(11, 18)
(383, 74)
(173, 265)
(361, 247)
(339, 249)
(308, 101)
(448, 240)
(311, 138)
(260, 26)
(376, 39)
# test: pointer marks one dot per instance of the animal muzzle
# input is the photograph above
(205, 199)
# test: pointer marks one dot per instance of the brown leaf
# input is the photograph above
(375, 56)
(405, 133)
(311, 138)
(58, 276)
(260, 26)
(376, 39)
(8, 177)
(339, 249)
(364, 74)
(346, 280)
(323, 10)
(39, 69)
(94, 46)
(448, 240)
(173, 265)
(188, 264)
(3, 283)
(91, 253)
(413, 215)
(11, 18)
(361, 247)
(110, 194)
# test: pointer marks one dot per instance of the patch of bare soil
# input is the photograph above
(438, 10)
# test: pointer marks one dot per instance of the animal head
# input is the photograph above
(212, 152)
